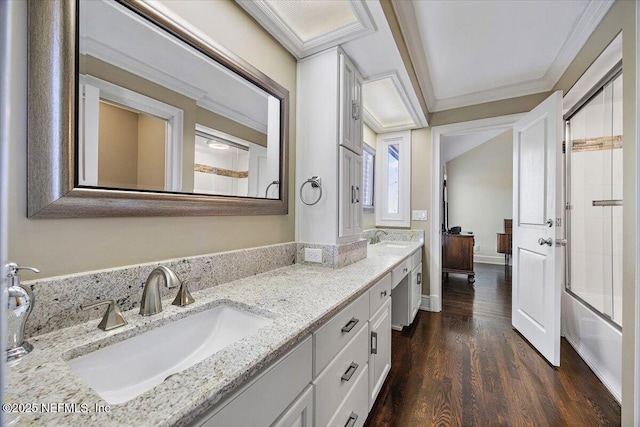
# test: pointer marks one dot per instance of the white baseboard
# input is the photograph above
(396, 328)
(489, 259)
(430, 303)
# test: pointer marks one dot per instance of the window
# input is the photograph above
(368, 167)
(393, 191)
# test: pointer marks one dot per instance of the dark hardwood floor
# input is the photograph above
(466, 366)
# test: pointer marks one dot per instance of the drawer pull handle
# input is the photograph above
(374, 339)
(350, 371)
(352, 420)
(405, 270)
(419, 278)
(349, 326)
(383, 294)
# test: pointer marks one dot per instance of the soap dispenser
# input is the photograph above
(20, 299)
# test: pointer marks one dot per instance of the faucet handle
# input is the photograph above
(184, 296)
(112, 318)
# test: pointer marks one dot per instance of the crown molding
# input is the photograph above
(378, 127)
(275, 25)
(406, 14)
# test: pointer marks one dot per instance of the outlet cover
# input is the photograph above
(313, 255)
(419, 215)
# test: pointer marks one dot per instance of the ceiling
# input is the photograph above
(463, 52)
(453, 146)
(468, 52)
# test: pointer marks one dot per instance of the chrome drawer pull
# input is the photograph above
(352, 420)
(374, 338)
(349, 326)
(350, 371)
(383, 294)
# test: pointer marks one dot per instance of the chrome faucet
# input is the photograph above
(150, 303)
(376, 237)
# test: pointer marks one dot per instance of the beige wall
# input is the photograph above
(221, 123)
(151, 152)
(480, 192)
(421, 194)
(118, 147)
(60, 246)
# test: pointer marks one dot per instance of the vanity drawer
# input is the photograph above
(416, 258)
(268, 395)
(355, 405)
(398, 273)
(335, 382)
(379, 293)
(336, 333)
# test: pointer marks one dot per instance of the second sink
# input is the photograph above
(124, 370)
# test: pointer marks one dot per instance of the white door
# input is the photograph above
(537, 162)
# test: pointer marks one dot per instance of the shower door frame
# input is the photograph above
(609, 77)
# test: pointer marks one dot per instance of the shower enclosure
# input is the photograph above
(594, 197)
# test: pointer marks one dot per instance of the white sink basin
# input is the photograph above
(390, 244)
(122, 371)
(395, 245)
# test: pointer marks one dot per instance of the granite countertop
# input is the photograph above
(298, 298)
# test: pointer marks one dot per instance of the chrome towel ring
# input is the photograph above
(266, 192)
(315, 182)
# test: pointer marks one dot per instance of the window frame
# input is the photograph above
(403, 217)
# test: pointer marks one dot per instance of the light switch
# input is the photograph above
(419, 215)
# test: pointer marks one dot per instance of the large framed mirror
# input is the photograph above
(134, 113)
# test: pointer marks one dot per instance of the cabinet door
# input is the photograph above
(416, 290)
(356, 182)
(347, 193)
(380, 350)
(347, 106)
(300, 413)
(357, 114)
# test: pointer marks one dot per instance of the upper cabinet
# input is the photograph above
(329, 135)
(350, 106)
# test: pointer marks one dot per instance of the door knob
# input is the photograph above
(548, 241)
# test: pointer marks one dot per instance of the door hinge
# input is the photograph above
(568, 207)
(558, 222)
(564, 147)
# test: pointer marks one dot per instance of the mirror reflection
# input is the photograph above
(155, 114)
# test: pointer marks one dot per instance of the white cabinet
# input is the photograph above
(380, 349)
(337, 380)
(300, 413)
(268, 395)
(416, 290)
(329, 130)
(350, 106)
(350, 204)
(407, 292)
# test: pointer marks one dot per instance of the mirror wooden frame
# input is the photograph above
(52, 129)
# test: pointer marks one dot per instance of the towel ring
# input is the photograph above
(266, 192)
(315, 182)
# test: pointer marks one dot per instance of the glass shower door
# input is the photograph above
(594, 169)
